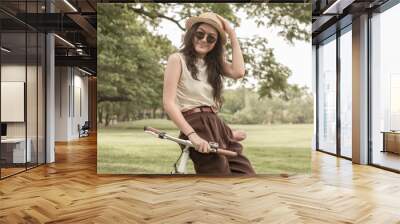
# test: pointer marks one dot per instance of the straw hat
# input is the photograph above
(209, 18)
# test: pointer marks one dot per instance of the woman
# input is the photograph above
(192, 93)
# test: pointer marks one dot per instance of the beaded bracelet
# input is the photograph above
(193, 132)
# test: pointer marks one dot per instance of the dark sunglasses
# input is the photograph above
(200, 35)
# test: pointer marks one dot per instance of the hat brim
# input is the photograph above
(193, 20)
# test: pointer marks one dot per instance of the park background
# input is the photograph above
(273, 103)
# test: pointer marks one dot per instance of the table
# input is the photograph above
(391, 141)
(13, 150)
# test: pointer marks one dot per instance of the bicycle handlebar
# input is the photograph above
(146, 128)
(163, 135)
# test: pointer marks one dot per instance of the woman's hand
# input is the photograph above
(239, 135)
(227, 27)
(200, 144)
(236, 69)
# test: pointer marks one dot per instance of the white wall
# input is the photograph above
(61, 103)
(12, 101)
(33, 126)
(11, 73)
(71, 87)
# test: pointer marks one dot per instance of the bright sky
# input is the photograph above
(297, 56)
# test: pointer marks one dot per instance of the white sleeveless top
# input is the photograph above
(193, 93)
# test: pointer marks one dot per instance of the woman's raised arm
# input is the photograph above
(236, 69)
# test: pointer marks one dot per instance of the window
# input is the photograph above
(385, 87)
(346, 92)
(327, 95)
(22, 66)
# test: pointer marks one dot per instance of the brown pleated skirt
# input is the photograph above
(211, 128)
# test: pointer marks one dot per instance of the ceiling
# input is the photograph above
(74, 22)
(332, 15)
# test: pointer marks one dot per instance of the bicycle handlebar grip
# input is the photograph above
(146, 128)
(214, 147)
(226, 152)
(219, 151)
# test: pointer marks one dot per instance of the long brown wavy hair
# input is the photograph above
(213, 60)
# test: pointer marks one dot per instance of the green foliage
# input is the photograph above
(131, 60)
(161, 124)
(132, 56)
(245, 107)
(262, 65)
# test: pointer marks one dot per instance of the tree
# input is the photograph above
(132, 56)
(296, 109)
(292, 20)
(130, 60)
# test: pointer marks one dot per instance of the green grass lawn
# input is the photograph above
(127, 149)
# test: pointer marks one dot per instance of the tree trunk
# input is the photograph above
(140, 115)
(100, 116)
(108, 119)
(162, 113)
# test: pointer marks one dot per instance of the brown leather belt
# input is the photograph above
(199, 109)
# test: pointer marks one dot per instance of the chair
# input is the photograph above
(84, 130)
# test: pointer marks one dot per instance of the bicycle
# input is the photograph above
(181, 162)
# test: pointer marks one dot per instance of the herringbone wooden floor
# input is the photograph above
(70, 191)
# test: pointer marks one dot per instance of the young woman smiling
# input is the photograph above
(192, 94)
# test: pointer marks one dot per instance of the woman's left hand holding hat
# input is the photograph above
(226, 26)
